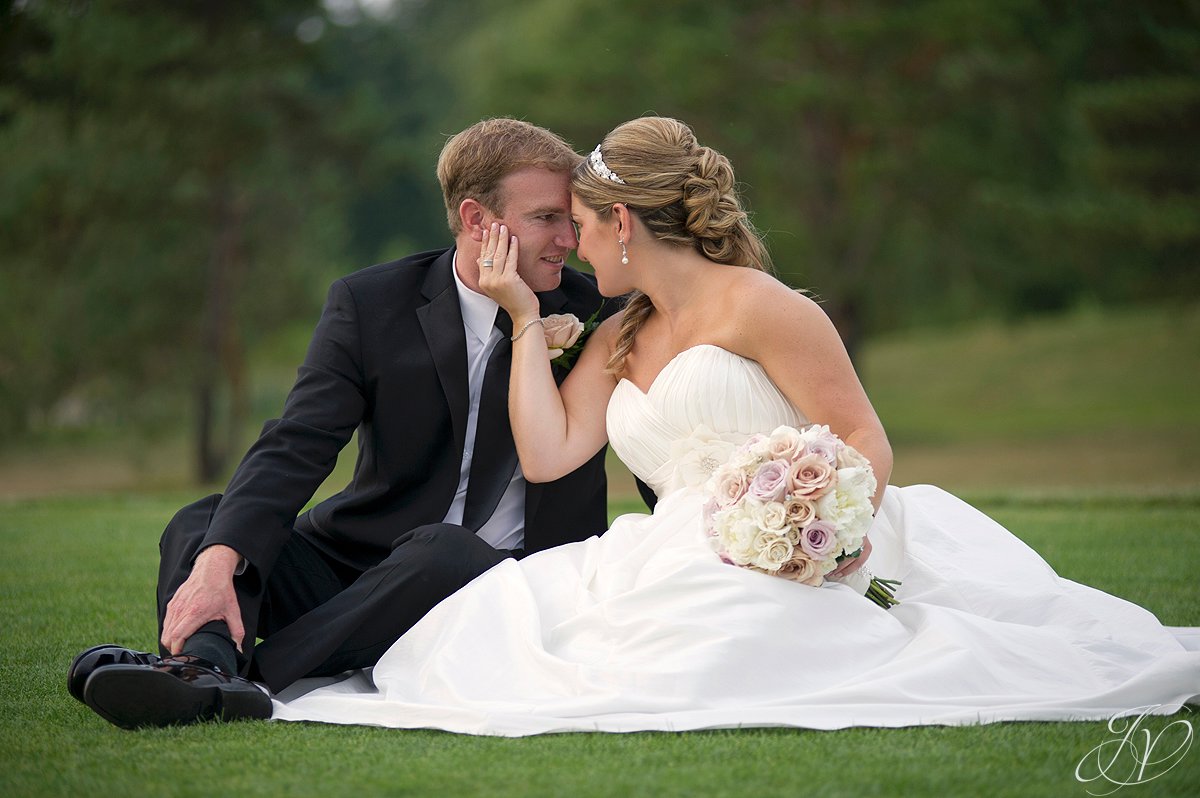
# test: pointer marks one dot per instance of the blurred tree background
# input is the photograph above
(182, 179)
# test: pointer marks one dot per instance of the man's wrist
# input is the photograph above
(218, 559)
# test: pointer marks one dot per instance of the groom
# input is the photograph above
(410, 355)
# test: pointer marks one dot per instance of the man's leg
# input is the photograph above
(180, 543)
(318, 617)
(177, 549)
(300, 579)
(355, 627)
(198, 684)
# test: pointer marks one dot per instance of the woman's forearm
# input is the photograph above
(872, 443)
(535, 406)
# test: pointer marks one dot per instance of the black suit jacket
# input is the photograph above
(388, 359)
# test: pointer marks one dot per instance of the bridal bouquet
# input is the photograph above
(794, 504)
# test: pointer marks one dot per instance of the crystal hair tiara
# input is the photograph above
(596, 161)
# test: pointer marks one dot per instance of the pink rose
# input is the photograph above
(819, 540)
(803, 570)
(729, 485)
(800, 512)
(810, 476)
(770, 483)
(562, 331)
(820, 440)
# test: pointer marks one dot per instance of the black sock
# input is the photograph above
(215, 647)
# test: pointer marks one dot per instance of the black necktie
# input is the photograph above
(504, 322)
(494, 456)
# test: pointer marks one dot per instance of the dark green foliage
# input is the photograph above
(179, 178)
(910, 162)
(164, 198)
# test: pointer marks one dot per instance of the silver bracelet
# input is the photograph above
(528, 324)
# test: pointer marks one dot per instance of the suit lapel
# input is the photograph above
(552, 302)
(442, 323)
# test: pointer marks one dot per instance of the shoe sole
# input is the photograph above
(133, 696)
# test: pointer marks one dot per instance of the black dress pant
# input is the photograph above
(317, 616)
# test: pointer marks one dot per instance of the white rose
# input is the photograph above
(849, 457)
(562, 330)
(772, 551)
(745, 460)
(785, 443)
(770, 516)
(758, 446)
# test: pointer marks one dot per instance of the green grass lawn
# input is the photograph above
(1081, 433)
(81, 571)
(1090, 401)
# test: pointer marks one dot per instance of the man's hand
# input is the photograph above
(207, 595)
(852, 564)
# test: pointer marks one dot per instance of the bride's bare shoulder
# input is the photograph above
(608, 330)
(758, 295)
(766, 320)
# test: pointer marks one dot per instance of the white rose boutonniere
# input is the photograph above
(566, 335)
(562, 331)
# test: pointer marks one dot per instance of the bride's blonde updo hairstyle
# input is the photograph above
(683, 192)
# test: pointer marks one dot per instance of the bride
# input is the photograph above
(645, 628)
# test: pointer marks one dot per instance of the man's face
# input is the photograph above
(537, 210)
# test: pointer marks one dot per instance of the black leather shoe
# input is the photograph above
(178, 690)
(99, 657)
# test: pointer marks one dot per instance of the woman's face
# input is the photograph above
(599, 246)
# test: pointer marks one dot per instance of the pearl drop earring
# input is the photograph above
(624, 252)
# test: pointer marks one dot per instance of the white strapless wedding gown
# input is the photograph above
(645, 628)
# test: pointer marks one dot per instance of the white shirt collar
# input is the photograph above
(478, 311)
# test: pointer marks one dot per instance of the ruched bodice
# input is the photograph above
(703, 391)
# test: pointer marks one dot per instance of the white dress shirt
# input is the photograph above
(506, 528)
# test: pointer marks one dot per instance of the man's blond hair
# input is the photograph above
(473, 162)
